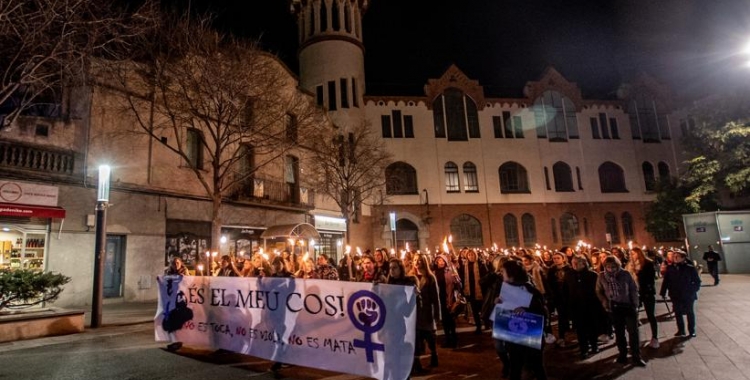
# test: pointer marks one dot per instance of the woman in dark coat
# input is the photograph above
(644, 272)
(428, 309)
(683, 283)
(584, 306)
(447, 281)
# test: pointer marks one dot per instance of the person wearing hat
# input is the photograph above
(682, 282)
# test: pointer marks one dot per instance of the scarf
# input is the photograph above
(613, 292)
(467, 279)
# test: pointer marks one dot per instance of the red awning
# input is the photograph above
(30, 211)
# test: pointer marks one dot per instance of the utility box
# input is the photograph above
(727, 232)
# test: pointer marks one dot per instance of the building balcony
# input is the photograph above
(260, 190)
(23, 157)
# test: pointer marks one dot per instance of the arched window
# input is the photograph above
(457, 113)
(563, 176)
(407, 232)
(451, 178)
(648, 176)
(323, 16)
(348, 16)
(612, 178)
(555, 117)
(401, 179)
(529, 229)
(335, 20)
(194, 148)
(466, 231)
(471, 184)
(569, 228)
(513, 178)
(647, 121)
(627, 226)
(511, 230)
(611, 222)
(663, 171)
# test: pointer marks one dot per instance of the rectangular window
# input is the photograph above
(595, 128)
(451, 180)
(344, 94)
(41, 130)
(507, 126)
(541, 123)
(613, 128)
(518, 126)
(471, 184)
(194, 149)
(355, 99)
(439, 118)
(291, 128)
(497, 126)
(398, 131)
(664, 127)
(332, 95)
(385, 123)
(408, 127)
(603, 125)
(319, 95)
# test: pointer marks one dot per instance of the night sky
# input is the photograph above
(690, 45)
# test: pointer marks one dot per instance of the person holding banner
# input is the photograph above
(514, 274)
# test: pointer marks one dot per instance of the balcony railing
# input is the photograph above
(21, 156)
(278, 192)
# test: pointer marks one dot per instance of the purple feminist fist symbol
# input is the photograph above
(369, 317)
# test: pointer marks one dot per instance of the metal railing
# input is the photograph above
(265, 190)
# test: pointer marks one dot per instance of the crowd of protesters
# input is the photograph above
(591, 293)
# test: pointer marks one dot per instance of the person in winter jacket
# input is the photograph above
(428, 309)
(584, 306)
(555, 284)
(618, 293)
(682, 282)
(471, 271)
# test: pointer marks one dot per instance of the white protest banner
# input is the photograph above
(350, 327)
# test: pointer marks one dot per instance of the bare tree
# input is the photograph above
(349, 168)
(240, 106)
(46, 44)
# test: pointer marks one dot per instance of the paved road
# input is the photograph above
(721, 351)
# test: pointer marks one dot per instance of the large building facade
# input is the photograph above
(548, 168)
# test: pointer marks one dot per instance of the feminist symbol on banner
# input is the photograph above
(367, 313)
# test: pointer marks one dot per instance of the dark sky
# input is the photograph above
(691, 45)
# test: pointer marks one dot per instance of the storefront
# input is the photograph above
(240, 240)
(26, 211)
(332, 232)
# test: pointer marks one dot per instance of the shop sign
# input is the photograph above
(329, 223)
(28, 193)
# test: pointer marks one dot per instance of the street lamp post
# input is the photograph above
(102, 200)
